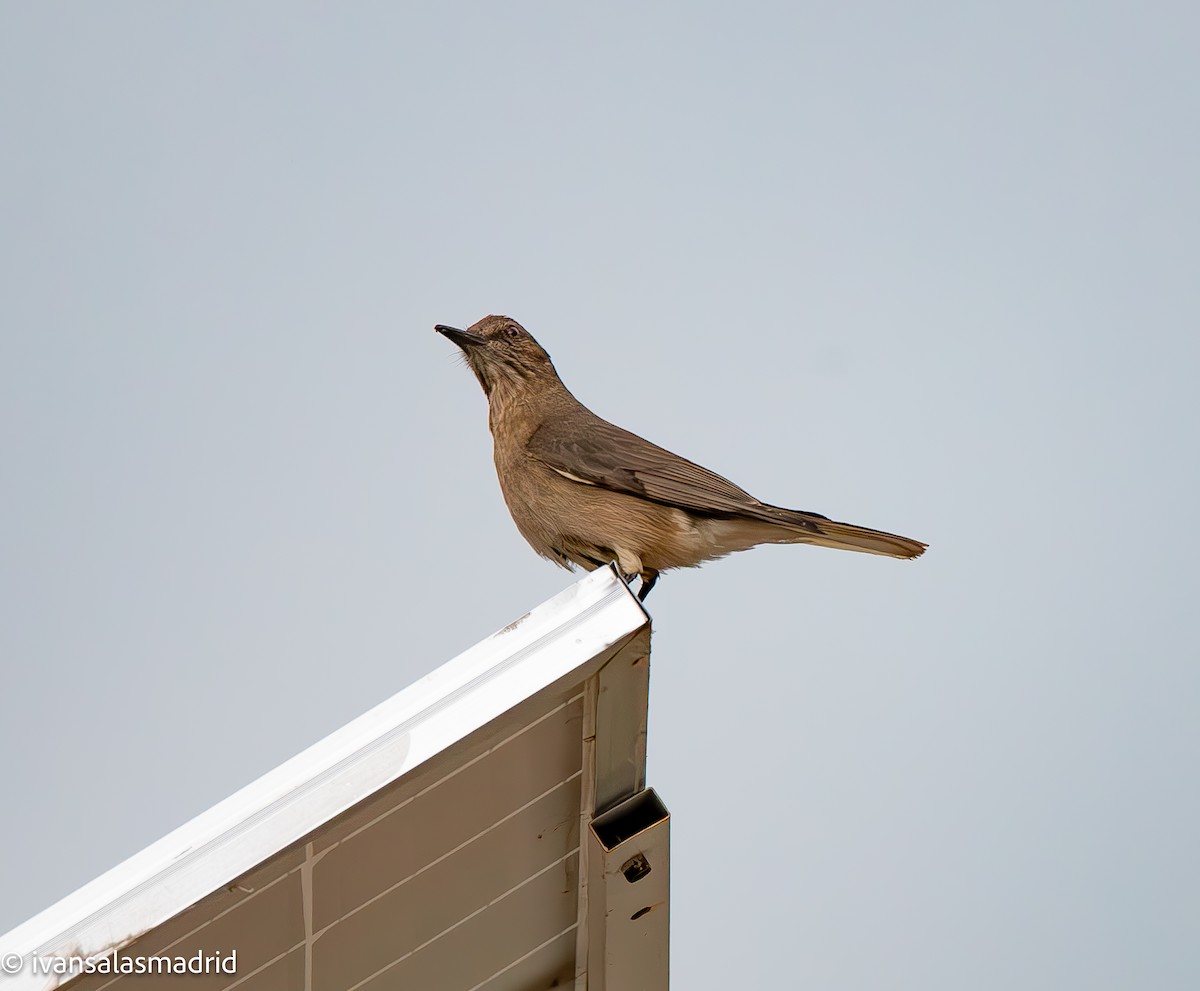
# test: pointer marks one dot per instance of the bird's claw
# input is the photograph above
(648, 579)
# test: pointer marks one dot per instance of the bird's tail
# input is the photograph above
(795, 527)
(848, 537)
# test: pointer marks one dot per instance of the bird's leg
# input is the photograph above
(648, 579)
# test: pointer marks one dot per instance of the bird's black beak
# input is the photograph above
(462, 338)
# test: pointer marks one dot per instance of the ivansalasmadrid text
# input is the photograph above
(119, 963)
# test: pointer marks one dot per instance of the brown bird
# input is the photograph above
(585, 492)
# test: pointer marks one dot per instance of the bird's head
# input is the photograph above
(502, 354)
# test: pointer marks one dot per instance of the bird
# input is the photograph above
(586, 493)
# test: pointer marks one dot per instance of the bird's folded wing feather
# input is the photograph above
(595, 452)
(603, 454)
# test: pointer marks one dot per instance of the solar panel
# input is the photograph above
(441, 840)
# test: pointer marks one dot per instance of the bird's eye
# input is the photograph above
(513, 332)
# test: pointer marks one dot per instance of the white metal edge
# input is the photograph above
(308, 790)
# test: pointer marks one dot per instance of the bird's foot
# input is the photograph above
(648, 579)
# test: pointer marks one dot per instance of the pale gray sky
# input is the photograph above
(930, 268)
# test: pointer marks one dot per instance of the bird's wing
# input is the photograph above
(595, 452)
(599, 453)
